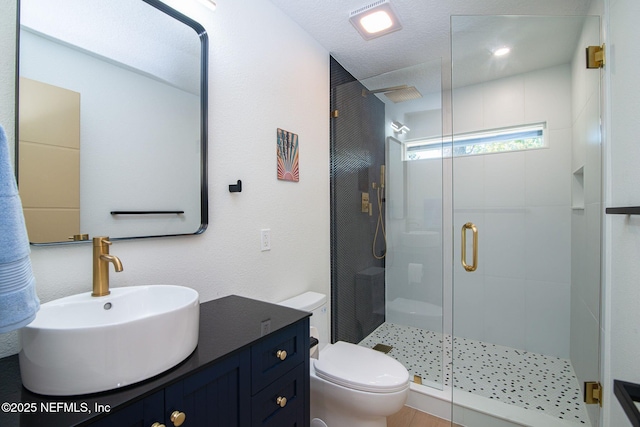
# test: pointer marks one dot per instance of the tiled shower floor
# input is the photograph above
(517, 377)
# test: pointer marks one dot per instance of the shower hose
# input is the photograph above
(379, 227)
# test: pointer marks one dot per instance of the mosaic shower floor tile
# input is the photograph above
(517, 377)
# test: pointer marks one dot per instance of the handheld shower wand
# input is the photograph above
(380, 222)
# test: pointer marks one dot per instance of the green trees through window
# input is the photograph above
(518, 138)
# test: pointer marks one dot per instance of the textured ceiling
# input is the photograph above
(425, 37)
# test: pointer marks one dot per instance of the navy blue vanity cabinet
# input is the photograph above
(142, 413)
(269, 409)
(280, 378)
(264, 385)
(216, 396)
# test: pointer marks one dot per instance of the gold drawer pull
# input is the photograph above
(177, 418)
(281, 401)
(281, 354)
(156, 424)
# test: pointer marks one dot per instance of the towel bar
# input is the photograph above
(146, 212)
(627, 394)
(629, 210)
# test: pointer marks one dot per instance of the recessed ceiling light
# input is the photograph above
(501, 51)
(375, 20)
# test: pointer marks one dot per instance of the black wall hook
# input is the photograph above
(235, 188)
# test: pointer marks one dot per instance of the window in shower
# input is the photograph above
(517, 138)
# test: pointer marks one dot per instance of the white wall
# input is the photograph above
(622, 242)
(264, 73)
(520, 202)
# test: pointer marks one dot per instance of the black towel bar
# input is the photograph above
(627, 394)
(147, 212)
(629, 210)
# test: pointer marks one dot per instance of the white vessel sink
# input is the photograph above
(83, 344)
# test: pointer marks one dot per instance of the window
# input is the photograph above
(517, 138)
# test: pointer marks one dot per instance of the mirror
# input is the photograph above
(112, 133)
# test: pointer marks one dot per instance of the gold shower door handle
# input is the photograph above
(470, 226)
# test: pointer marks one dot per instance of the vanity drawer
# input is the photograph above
(269, 407)
(269, 360)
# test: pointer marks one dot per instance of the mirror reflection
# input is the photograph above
(112, 120)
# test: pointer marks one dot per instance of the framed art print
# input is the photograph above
(288, 156)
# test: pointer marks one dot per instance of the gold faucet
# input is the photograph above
(101, 260)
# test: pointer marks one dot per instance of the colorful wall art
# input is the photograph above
(288, 153)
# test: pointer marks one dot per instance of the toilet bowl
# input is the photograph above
(350, 385)
(353, 386)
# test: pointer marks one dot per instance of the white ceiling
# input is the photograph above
(425, 37)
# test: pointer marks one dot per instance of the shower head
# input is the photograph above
(397, 93)
(387, 89)
(403, 95)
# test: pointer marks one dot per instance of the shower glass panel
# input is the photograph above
(401, 233)
(525, 134)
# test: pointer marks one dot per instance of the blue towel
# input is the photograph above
(18, 300)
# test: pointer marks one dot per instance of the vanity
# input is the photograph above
(250, 368)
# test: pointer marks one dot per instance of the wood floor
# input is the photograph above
(409, 417)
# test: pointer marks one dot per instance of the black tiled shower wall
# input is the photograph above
(357, 152)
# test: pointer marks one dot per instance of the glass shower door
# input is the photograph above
(414, 297)
(387, 217)
(526, 218)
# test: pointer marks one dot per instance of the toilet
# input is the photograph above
(351, 385)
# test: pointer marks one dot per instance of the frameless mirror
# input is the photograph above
(112, 133)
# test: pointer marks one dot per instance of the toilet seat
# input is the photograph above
(361, 368)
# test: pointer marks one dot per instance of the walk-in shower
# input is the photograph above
(502, 155)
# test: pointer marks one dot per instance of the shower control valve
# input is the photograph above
(365, 203)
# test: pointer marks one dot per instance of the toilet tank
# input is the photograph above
(316, 303)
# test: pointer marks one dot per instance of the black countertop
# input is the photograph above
(227, 325)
